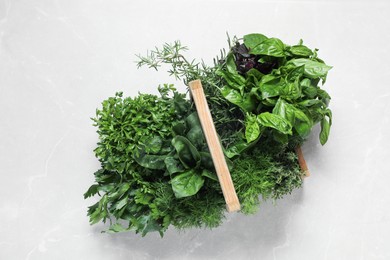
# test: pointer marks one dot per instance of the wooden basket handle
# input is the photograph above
(225, 180)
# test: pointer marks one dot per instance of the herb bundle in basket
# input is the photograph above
(156, 166)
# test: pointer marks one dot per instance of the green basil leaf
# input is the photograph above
(303, 123)
(255, 75)
(231, 65)
(253, 39)
(325, 129)
(301, 50)
(234, 81)
(252, 128)
(246, 102)
(313, 69)
(296, 117)
(187, 184)
(271, 47)
(277, 122)
(295, 74)
(270, 86)
(238, 148)
(291, 91)
(323, 95)
(311, 102)
(279, 137)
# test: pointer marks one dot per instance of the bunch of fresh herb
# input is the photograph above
(156, 167)
(276, 86)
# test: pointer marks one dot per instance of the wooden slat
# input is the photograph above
(225, 180)
(302, 162)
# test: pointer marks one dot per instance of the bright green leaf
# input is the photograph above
(277, 122)
(313, 69)
(253, 39)
(271, 47)
(187, 184)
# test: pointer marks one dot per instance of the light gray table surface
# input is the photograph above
(60, 59)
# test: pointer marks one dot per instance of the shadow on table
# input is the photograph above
(239, 235)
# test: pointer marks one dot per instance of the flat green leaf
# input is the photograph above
(296, 117)
(173, 165)
(153, 145)
(270, 86)
(277, 122)
(195, 134)
(154, 162)
(301, 51)
(121, 203)
(231, 65)
(187, 184)
(311, 102)
(179, 128)
(187, 152)
(279, 137)
(246, 102)
(91, 191)
(238, 148)
(252, 128)
(271, 47)
(116, 228)
(146, 224)
(313, 69)
(234, 81)
(210, 175)
(303, 123)
(291, 91)
(207, 161)
(253, 39)
(325, 129)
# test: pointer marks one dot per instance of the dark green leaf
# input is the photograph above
(154, 162)
(207, 161)
(179, 128)
(210, 175)
(188, 154)
(91, 191)
(173, 165)
(153, 145)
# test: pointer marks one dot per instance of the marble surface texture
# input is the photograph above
(60, 59)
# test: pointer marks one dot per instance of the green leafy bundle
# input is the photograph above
(156, 167)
